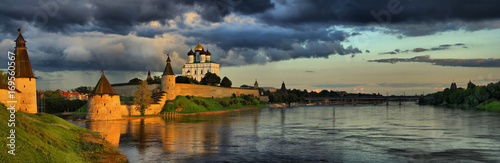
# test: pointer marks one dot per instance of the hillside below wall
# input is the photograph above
(211, 91)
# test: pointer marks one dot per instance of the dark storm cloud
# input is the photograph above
(399, 11)
(418, 50)
(51, 15)
(490, 62)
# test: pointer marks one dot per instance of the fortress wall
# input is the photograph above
(129, 90)
(127, 110)
(4, 97)
(212, 91)
(104, 107)
(27, 86)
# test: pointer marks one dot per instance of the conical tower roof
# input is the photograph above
(168, 68)
(103, 86)
(283, 88)
(23, 65)
(149, 76)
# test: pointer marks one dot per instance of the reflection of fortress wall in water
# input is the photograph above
(110, 130)
(108, 108)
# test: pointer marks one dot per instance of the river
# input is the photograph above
(363, 133)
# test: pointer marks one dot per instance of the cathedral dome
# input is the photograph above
(190, 52)
(208, 53)
(198, 47)
(203, 52)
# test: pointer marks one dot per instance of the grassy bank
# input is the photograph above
(493, 106)
(190, 104)
(47, 138)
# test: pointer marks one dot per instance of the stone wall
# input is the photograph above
(27, 86)
(104, 107)
(4, 97)
(211, 91)
(127, 110)
(129, 90)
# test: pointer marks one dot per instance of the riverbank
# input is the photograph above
(493, 106)
(189, 105)
(47, 138)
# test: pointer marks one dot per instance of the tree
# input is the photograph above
(56, 95)
(3, 77)
(210, 79)
(82, 89)
(182, 79)
(226, 82)
(156, 79)
(244, 86)
(135, 80)
(142, 97)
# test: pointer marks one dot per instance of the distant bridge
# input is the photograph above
(353, 100)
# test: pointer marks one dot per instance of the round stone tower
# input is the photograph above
(103, 103)
(168, 81)
(24, 79)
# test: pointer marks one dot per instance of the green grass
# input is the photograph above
(201, 104)
(82, 109)
(493, 106)
(47, 138)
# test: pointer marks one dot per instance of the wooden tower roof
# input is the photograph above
(103, 86)
(22, 61)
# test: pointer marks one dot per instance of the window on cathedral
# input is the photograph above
(202, 72)
(104, 104)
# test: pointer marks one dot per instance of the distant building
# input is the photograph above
(453, 85)
(256, 84)
(470, 85)
(149, 79)
(199, 63)
(74, 95)
(283, 88)
(270, 89)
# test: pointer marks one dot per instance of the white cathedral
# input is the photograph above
(199, 63)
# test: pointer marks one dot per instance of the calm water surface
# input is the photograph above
(408, 133)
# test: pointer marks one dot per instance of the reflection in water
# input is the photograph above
(110, 130)
(407, 133)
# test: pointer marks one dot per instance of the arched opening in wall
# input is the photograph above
(104, 104)
(97, 112)
(110, 112)
(24, 86)
(101, 96)
(30, 79)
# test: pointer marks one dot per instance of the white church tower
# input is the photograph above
(199, 63)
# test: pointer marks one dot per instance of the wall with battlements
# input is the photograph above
(211, 91)
(128, 90)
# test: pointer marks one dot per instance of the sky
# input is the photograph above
(359, 46)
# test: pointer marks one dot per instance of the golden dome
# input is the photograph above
(198, 47)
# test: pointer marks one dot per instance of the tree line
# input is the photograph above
(296, 95)
(472, 96)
